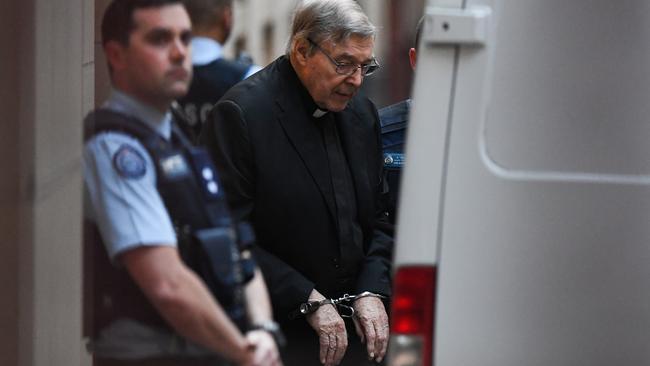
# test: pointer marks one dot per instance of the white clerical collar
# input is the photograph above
(205, 50)
(318, 113)
(119, 101)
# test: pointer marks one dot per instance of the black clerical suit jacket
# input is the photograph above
(274, 168)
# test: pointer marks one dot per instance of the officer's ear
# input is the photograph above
(227, 19)
(115, 55)
(413, 58)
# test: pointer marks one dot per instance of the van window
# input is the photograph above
(586, 96)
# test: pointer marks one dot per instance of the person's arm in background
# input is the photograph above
(185, 302)
(258, 306)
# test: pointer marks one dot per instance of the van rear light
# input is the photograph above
(412, 312)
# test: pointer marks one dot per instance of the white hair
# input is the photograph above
(329, 20)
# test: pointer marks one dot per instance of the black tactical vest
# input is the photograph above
(209, 83)
(208, 240)
(394, 122)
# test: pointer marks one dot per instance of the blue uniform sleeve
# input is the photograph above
(120, 183)
(252, 70)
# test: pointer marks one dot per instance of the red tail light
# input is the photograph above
(412, 313)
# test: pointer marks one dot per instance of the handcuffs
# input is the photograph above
(346, 311)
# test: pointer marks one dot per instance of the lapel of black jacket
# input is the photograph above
(352, 137)
(305, 137)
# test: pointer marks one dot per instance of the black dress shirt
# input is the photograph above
(349, 230)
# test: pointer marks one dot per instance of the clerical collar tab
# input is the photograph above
(318, 113)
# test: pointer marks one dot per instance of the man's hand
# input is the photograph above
(330, 327)
(371, 324)
(264, 351)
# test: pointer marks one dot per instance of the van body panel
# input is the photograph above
(526, 182)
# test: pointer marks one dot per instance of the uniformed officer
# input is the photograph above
(170, 246)
(394, 121)
(212, 22)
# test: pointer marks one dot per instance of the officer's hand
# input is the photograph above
(247, 355)
(330, 327)
(266, 352)
(371, 324)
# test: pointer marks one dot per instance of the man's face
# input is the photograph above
(156, 63)
(329, 89)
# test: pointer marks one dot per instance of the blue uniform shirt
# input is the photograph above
(120, 183)
(206, 50)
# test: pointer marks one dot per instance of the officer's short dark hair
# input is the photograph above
(418, 32)
(206, 13)
(117, 22)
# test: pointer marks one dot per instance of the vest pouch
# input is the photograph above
(219, 266)
(220, 255)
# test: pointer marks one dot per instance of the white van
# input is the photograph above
(523, 233)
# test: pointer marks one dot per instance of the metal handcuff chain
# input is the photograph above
(345, 310)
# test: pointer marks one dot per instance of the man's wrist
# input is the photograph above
(314, 295)
(273, 328)
(368, 294)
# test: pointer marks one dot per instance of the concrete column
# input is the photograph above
(46, 70)
(10, 182)
(102, 80)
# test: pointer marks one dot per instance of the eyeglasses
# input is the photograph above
(348, 69)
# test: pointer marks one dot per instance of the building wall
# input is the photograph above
(10, 157)
(252, 16)
(252, 19)
(102, 82)
(395, 19)
(402, 20)
(46, 70)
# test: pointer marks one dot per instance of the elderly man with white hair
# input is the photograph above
(300, 157)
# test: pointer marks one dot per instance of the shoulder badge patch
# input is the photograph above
(129, 162)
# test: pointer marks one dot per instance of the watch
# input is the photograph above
(273, 329)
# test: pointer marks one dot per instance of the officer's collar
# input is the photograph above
(205, 50)
(121, 102)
